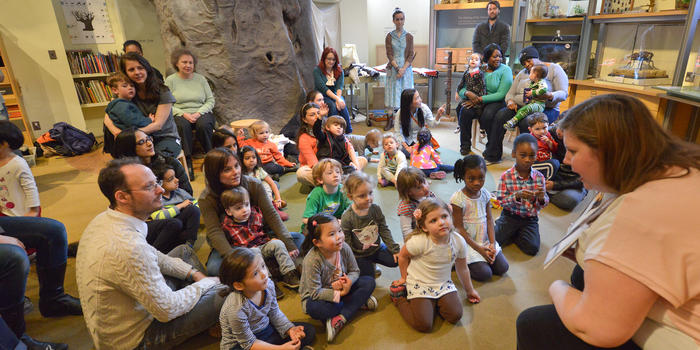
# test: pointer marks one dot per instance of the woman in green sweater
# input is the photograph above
(194, 105)
(498, 78)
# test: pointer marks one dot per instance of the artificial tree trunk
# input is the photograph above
(258, 55)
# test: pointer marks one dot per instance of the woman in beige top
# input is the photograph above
(640, 258)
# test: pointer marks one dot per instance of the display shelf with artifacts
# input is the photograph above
(12, 95)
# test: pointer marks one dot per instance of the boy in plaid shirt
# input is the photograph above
(521, 193)
(243, 226)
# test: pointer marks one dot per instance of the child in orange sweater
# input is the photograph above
(272, 159)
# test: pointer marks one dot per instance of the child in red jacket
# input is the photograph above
(546, 145)
(272, 159)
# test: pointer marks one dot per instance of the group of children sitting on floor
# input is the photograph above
(346, 235)
(346, 232)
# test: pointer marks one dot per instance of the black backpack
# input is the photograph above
(73, 140)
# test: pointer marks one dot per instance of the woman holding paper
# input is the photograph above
(641, 255)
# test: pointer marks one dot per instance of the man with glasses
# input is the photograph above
(135, 296)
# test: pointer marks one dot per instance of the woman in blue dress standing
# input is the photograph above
(399, 73)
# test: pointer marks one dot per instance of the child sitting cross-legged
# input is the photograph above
(327, 197)
(332, 289)
(243, 225)
(124, 113)
(178, 204)
(426, 262)
(272, 159)
(521, 193)
(413, 187)
(424, 157)
(391, 161)
(332, 143)
(250, 317)
(365, 227)
(472, 218)
(252, 167)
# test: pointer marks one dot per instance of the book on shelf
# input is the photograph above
(87, 62)
(93, 91)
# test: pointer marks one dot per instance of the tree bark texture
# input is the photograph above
(258, 55)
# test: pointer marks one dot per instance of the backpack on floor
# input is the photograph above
(73, 140)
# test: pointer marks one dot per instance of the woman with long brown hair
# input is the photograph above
(152, 98)
(637, 282)
(329, 79)
(222, 169)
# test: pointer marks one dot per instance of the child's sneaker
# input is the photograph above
(510, 124)
(333, 326)
(438, 175)
(397, 291)
(371, 303)
(383, 182)
(291, 279)
(377, 271)
(457, 130)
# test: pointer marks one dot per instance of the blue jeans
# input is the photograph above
(47, 236)
(360, 291)
(270, 335)
(440, 167)
(381, 256)
(8, 339)
(567, 199)
(214, 260)
(524, 232)
(14, 269)
(333, 110)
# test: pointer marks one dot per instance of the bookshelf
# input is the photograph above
(90, 71)
(12, 94)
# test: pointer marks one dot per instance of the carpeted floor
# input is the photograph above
(69, 193)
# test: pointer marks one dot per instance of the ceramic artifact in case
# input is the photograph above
(638, 54)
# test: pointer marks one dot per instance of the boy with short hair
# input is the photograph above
(521, 193)
(327, 196)
(243, 225)
(124, 113)
(332, 143)
(546, 145)
(537, 88)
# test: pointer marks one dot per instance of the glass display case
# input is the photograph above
(643, 54)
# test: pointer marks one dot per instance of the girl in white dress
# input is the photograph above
(471, 215)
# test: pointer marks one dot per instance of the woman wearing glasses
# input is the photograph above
(163, 234)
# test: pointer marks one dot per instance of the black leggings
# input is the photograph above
(540, 327)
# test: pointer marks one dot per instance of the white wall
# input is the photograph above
(353, 26)
(29, 30)
(379, 22)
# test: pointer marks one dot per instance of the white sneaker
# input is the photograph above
(371, 303)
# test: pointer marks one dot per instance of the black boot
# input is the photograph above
(53, 301)
(14, 317)
(190, 168)
(33, 344)
(389, 123)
